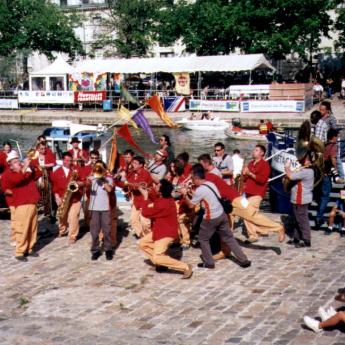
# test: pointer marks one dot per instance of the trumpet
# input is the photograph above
(32, 154)
(138, 185)
(99, 171)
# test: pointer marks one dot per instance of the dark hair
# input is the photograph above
(166, 188)
(129, 152)
(315, 116)
(41, 137)
(139, 159)
(221, 145)
(167, 139)
(94, 152)
(7, 143)
(327, 105)
(101, 162)
(198, 171)
(262, 148)
(332, 133)
(205, 158)
(66, 154)
(236, 151)
(179, 167)
(184, 156)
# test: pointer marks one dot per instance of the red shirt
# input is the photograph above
(60, 183)
(225, 190)
(187, 169)
(86, 171)
(164, 217)
(262, 171)
(3, 164)
(23, 187)
(141, 175)
(79, 154)
(49, 158)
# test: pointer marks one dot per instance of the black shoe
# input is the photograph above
(292, 242)
(95, 256)
(342, 290)
(245, 264)
(160, 269)
(203, 265)
(328, 231)
(109, 255)
(318, 224)
(303, 244)
(33, 254)
(21, 258)
(342, 233)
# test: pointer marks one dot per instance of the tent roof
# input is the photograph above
(58, 67)
(217, 63)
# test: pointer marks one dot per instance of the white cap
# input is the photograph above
(12, 155)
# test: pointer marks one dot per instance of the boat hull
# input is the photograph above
(204, 125)
(246, 135)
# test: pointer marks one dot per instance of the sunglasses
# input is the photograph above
(217, 150)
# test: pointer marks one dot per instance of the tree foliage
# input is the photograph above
(129, 27)
(36, 25)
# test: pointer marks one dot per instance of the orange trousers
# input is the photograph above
(139, 223)
(71, 223)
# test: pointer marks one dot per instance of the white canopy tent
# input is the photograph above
(217, 63)
(52, 77)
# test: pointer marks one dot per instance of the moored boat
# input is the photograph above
(245, 134)
(214, 124)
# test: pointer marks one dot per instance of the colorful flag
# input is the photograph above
(113, 153)
(140, 119)
(156, 105)
(126, 116)
(182, 82)
(128, 97)
(125, 134)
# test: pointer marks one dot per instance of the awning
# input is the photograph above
(58, 67)
(217, 63)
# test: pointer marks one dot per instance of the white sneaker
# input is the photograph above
(323, 314)
(331, 312)
(312, 324)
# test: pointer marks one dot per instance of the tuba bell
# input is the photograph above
(99, 171)
(32, 154)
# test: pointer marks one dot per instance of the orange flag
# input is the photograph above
(113, 153)
(156, 105)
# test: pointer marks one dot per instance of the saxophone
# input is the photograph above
(72, 187)
(239, 179)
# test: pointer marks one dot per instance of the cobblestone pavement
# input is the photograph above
(64, 298)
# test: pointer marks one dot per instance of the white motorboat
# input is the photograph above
(245, 134)
(204, 125)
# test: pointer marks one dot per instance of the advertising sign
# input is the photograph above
(8, 103)
(52, 97)
(200, 104)
(273, 106)
(89, 96)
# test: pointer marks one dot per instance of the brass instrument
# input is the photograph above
(44, 188)
(239, 179)
(32, 154)
(288, 184)
(72, 187)
(136, 185)
(99, 171)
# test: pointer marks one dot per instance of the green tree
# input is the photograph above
(129, 28)
(36, 25)
(339, 25)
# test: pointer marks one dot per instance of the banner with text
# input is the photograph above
(89, 96)
(52, 97)
(200, 104)
(8, 103)
(273, 106)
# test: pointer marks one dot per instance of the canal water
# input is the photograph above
(194, 142)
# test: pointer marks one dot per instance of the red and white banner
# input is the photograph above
(89, 96)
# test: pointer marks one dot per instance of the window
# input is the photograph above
(38, 83)
(56, 83)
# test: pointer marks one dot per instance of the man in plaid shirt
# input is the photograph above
(320, 126)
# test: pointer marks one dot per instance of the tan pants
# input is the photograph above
(252, 216)
(156, 252)
(13, 224)
(140, 224)
(26, 224)
(252, 229)
(184, 227)
(71, 223)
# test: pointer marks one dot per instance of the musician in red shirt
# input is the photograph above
(164, 229)
(7, 149)
(20, 180)
(138, 175)
(78, 155)
(256, 176)
(184, 159)
(61, 179)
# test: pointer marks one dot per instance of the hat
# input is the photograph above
(162, 153)
(75, 140)
(12, 155)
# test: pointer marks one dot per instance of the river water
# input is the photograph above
(194, 142)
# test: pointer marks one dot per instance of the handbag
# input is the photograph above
(226, 204)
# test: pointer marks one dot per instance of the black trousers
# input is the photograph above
(100, 220)
(221, 226)
(301, 220)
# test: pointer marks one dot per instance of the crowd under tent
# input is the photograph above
(51, 78)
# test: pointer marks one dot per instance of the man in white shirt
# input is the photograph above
(238, 162)
(223, 162)
(156, 167)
